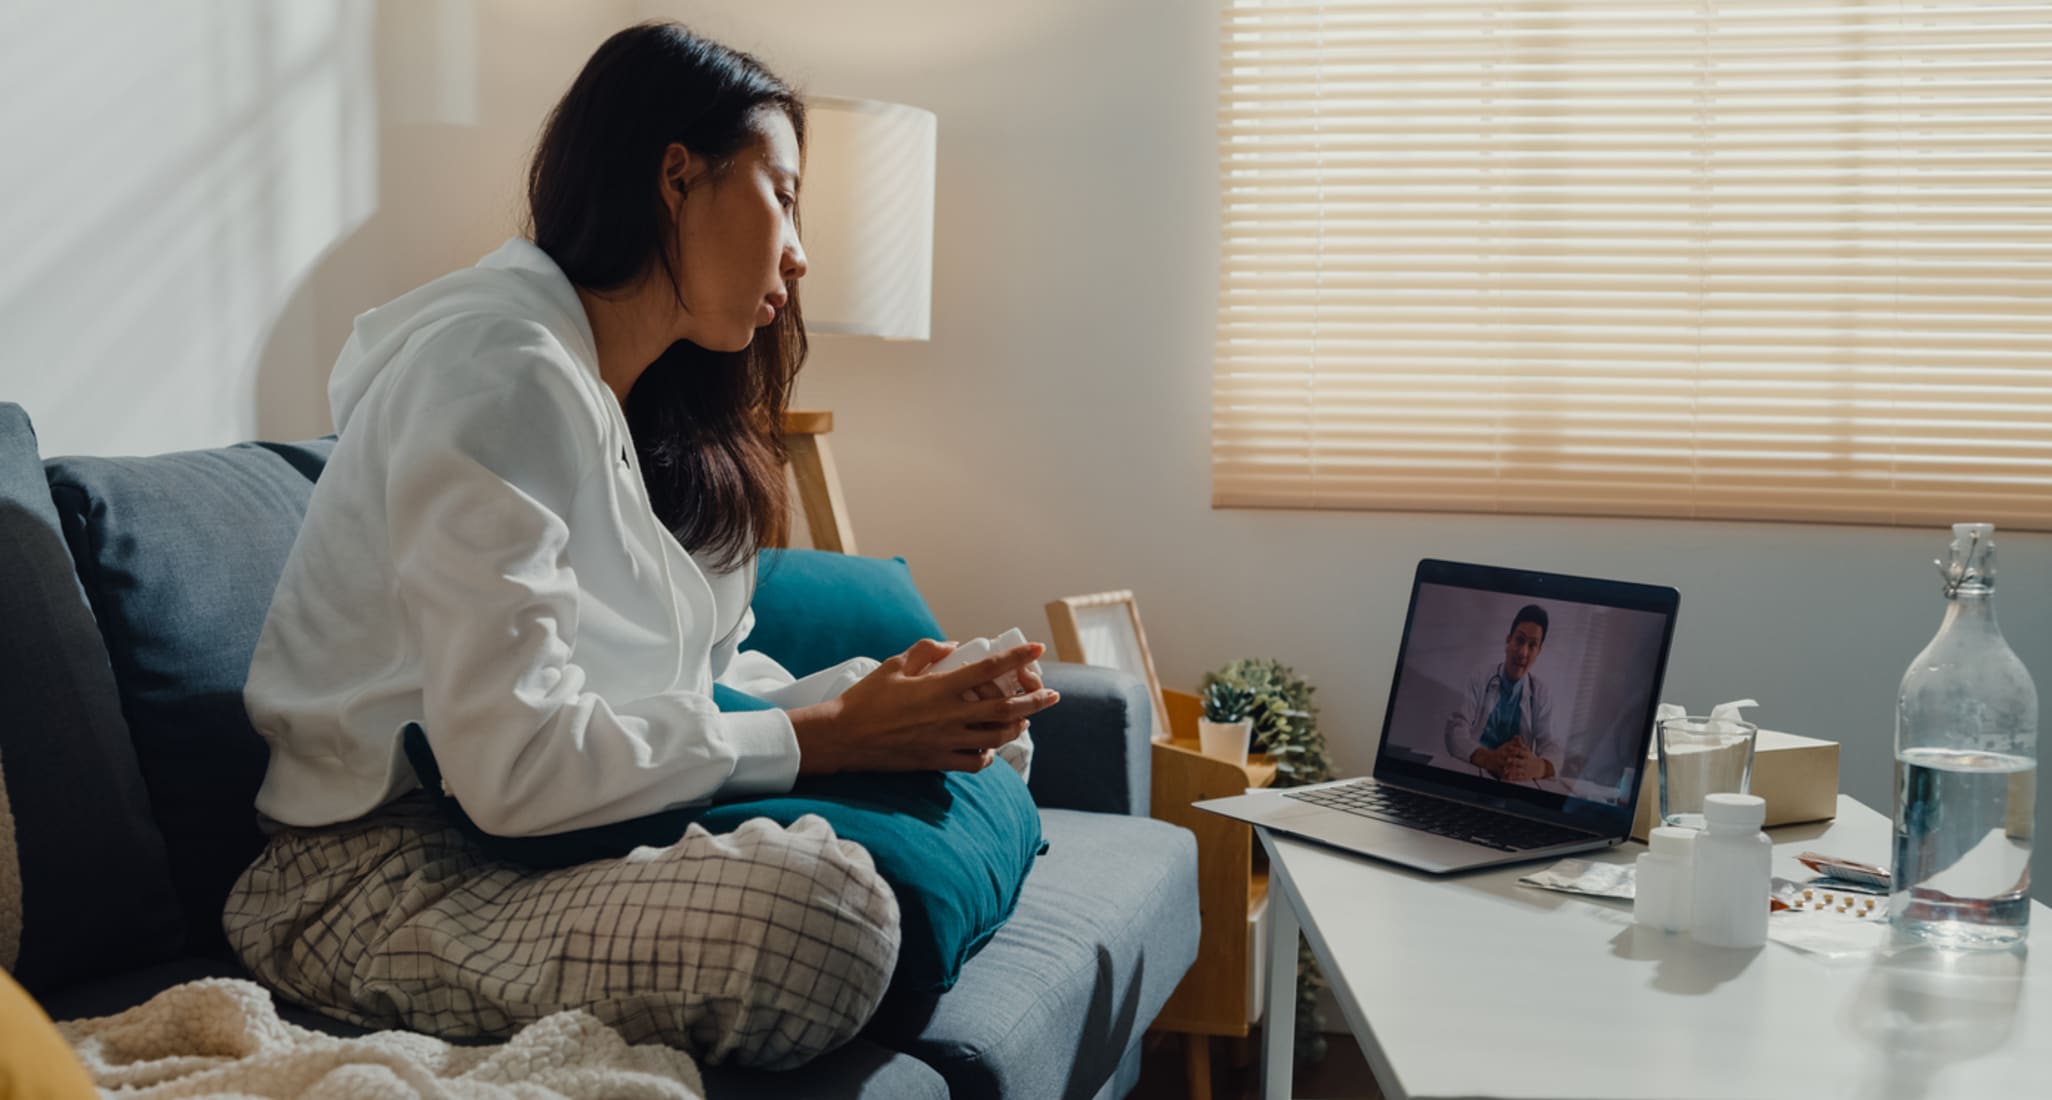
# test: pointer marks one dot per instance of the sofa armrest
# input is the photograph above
(1093, 750)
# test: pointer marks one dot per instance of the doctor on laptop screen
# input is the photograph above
(1545, 693)
(1503, 722)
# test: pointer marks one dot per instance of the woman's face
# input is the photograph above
(737, 234)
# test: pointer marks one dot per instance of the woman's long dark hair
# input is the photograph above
(704, 422)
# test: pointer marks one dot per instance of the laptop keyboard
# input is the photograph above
(1505, 832)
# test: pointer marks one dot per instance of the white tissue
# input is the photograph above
(1729, 710)
(1017, 752)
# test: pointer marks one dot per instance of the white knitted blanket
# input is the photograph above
(222, 1038)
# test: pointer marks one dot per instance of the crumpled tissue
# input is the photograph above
(1729, 710)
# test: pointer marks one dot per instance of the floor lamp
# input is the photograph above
(866, 209)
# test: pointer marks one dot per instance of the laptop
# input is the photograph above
(1517, 725)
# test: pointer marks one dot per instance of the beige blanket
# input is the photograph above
(222, 1038)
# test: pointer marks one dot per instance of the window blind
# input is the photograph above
(1770, 259)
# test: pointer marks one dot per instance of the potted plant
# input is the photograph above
(1227, 725)
(1285, 719)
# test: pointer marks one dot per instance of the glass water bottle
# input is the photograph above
(1966, 763)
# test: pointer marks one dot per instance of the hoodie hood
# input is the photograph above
(518, 280)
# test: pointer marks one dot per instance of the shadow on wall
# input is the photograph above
(462, 90)
(309, 327)
(204, 197)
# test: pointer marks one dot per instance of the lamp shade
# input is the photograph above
(867, 211)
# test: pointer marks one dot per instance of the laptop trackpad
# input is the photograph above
(1387, 840)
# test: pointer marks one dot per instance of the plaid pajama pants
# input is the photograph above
(764, 947)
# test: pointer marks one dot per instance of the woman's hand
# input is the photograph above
(1028, 680)
(899, 718)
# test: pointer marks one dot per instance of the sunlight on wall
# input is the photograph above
(173, 170)
(201, 197)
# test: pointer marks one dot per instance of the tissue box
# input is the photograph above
(1798, 776)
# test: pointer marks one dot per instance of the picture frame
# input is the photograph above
(1104, 629)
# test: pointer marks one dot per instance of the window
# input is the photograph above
(1770, 259)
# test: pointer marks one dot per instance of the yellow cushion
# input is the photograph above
(35, 1062)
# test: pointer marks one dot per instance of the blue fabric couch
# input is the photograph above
(131, 594)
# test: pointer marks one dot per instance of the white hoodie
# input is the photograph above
(480, 556)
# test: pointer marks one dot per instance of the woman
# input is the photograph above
(496, 550)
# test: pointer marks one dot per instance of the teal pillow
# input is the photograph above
(815, 609)
(955, 847)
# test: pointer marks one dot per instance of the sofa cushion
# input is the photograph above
(815, 609)
(179, 555)
(858, 1071)
(955, 847)
(1106, 718)
(121, 992)
(1105, 929)
(96, 889)
(114, 993)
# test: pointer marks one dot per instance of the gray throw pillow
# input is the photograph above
(95, 886)
(179, 555)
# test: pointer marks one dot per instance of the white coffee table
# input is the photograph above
(1475, 986)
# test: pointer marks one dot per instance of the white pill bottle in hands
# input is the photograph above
(1734, 863)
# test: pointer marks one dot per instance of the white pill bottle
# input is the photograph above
(1733, 873)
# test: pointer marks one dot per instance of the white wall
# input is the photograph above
(1051, 438)
(198, 198)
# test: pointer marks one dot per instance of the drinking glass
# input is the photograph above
(1702, 756)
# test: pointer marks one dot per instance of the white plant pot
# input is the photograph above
(1225, 740)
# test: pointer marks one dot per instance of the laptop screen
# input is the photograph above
(1533, 688)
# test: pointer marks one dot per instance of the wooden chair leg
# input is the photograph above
(819, 491)
(1197, 1062)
